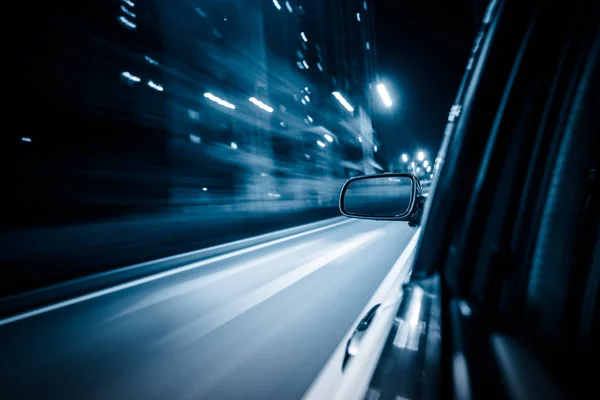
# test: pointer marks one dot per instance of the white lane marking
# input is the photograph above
(332, 382)
(179, 256)
(203, 281)
(241, 241)
(201, 327)
(161, 275)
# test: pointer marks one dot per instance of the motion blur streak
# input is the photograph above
(160, 275)
(219, 317)
(260, 324)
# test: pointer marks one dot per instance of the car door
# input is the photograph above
(500, 302)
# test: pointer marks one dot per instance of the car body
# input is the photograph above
(502, 300)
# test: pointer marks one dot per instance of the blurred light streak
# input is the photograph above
(219, 101)
(404, 158)
(26, 139)
(276, 3)
(129, 3)
(320, 143)
(155, 86)
(329, 138)
(358, 16)
(303, 37)
(309, 118)
(151, 60)
(130, 76)
(127, 23)
(195, 138)
(204, 189)
(343, 101)
(375, 149)
(260, 104)
(234, 145)
(126, 11)
(360, 139)
(305, 64)
(201, 12)
(385, 96)
(420, 155)
(289, 6)
(425, 163)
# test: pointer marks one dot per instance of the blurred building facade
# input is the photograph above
(154, 104)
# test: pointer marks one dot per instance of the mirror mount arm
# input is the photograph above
(415, 217)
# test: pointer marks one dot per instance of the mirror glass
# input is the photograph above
(378, 196)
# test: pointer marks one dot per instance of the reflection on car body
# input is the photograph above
(507, 262)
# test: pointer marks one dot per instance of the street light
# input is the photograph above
(421, 156)
(343, 101)
(219, 101)
(260, 104)
(385, 96)
(425, 163)
(404, 158)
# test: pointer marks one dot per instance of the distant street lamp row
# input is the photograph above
(421, 164)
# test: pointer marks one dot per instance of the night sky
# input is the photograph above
(422, 51)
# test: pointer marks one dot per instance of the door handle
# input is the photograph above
(353, 344)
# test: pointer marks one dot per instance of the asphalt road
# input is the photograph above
(255, 324)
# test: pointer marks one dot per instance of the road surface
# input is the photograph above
(255, 323)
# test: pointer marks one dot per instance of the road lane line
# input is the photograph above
(332, 383)
(200, 282)
(164, 274)
(246, 240)
(201, 327)
(194, 253)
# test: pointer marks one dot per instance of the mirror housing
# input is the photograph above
(389, 196)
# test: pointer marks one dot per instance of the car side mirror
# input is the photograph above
(390, 196)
